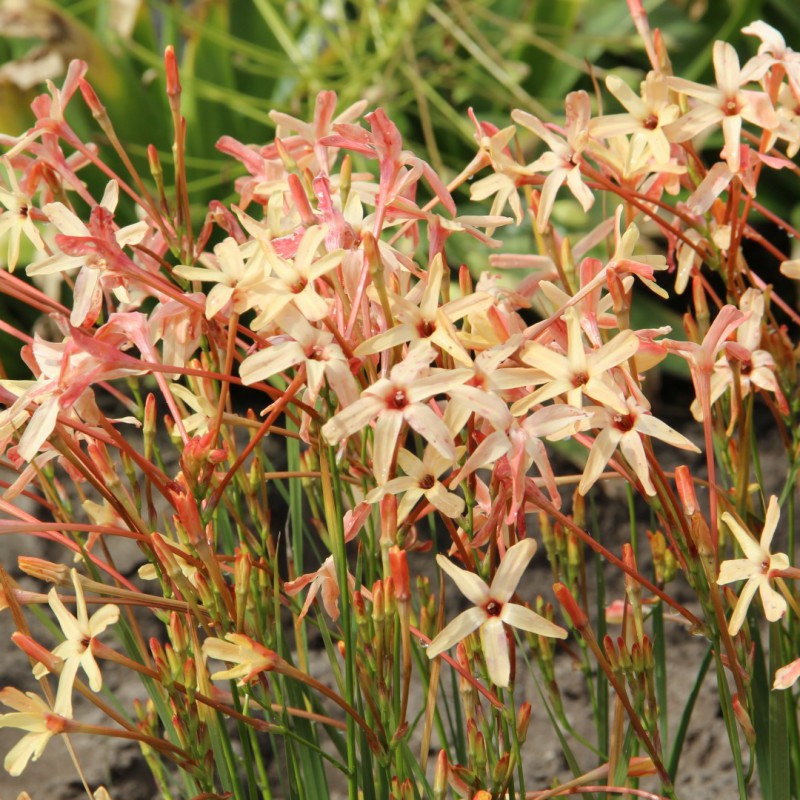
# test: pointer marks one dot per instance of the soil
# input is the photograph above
(706, 769)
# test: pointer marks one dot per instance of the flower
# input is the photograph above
(250, 657)
(16, 219)
(95, 249)
(787, 676)
(236, 281)
(76, 649)
(323, 580)
(305, 344)
(727, 104)
(625, 431)
(36, 717)
(492, 611)
(755, 569)
(421, 479)
(645, 118)
(397, 399)
(295, 282)
(578, 373)
(757, 367)
(562, 161)
(428, 322)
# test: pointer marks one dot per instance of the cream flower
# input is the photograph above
(249, 656)
(579, 372)
(33, 715)
(493, 611)
(76, 649)
(16, 219)
(421, 479)
(755, 568)
(400, 398)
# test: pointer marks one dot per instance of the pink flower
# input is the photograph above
(96, 250)
(727, 104)
(625, 431)
(562, 161)
(396, 400)
(325, 582)
(579, 372)
(16, 220)
(787, 676)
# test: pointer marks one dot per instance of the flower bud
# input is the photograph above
(440, 776)
(570, 606)
(173, 78)
(44, 570)
(398, 563)
(523, 721)
(743, 718)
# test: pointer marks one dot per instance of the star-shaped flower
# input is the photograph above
(249, 656)
(493, 611)
(755, 568)
(76, 649)
(33, 715)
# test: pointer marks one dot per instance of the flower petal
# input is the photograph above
(742, 604)
(736, 569)
(523, 618)
(774, 604)
(469, 584)
(751, 548)
(494, 644)
(787, 676)
(514, 563)
(461, 627)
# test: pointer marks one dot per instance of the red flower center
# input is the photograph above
(493, 608)
(398, 400)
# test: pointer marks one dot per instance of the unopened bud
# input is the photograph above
(570, 606)
(440, 776)
(91, 99)
(686, 490)
(523, 721)
(743, 718)
(44, 570)
(398, 562)
(173, 78)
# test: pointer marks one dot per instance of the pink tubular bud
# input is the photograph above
(300, 199)
(398, 562)
(44, 570)
(570, 606)
(171, 67)
(523, 720)
(440, 776)
(743, 718)
(91, 99)
(38, 653)
(686, 492)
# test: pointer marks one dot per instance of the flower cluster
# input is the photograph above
(417, 397)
